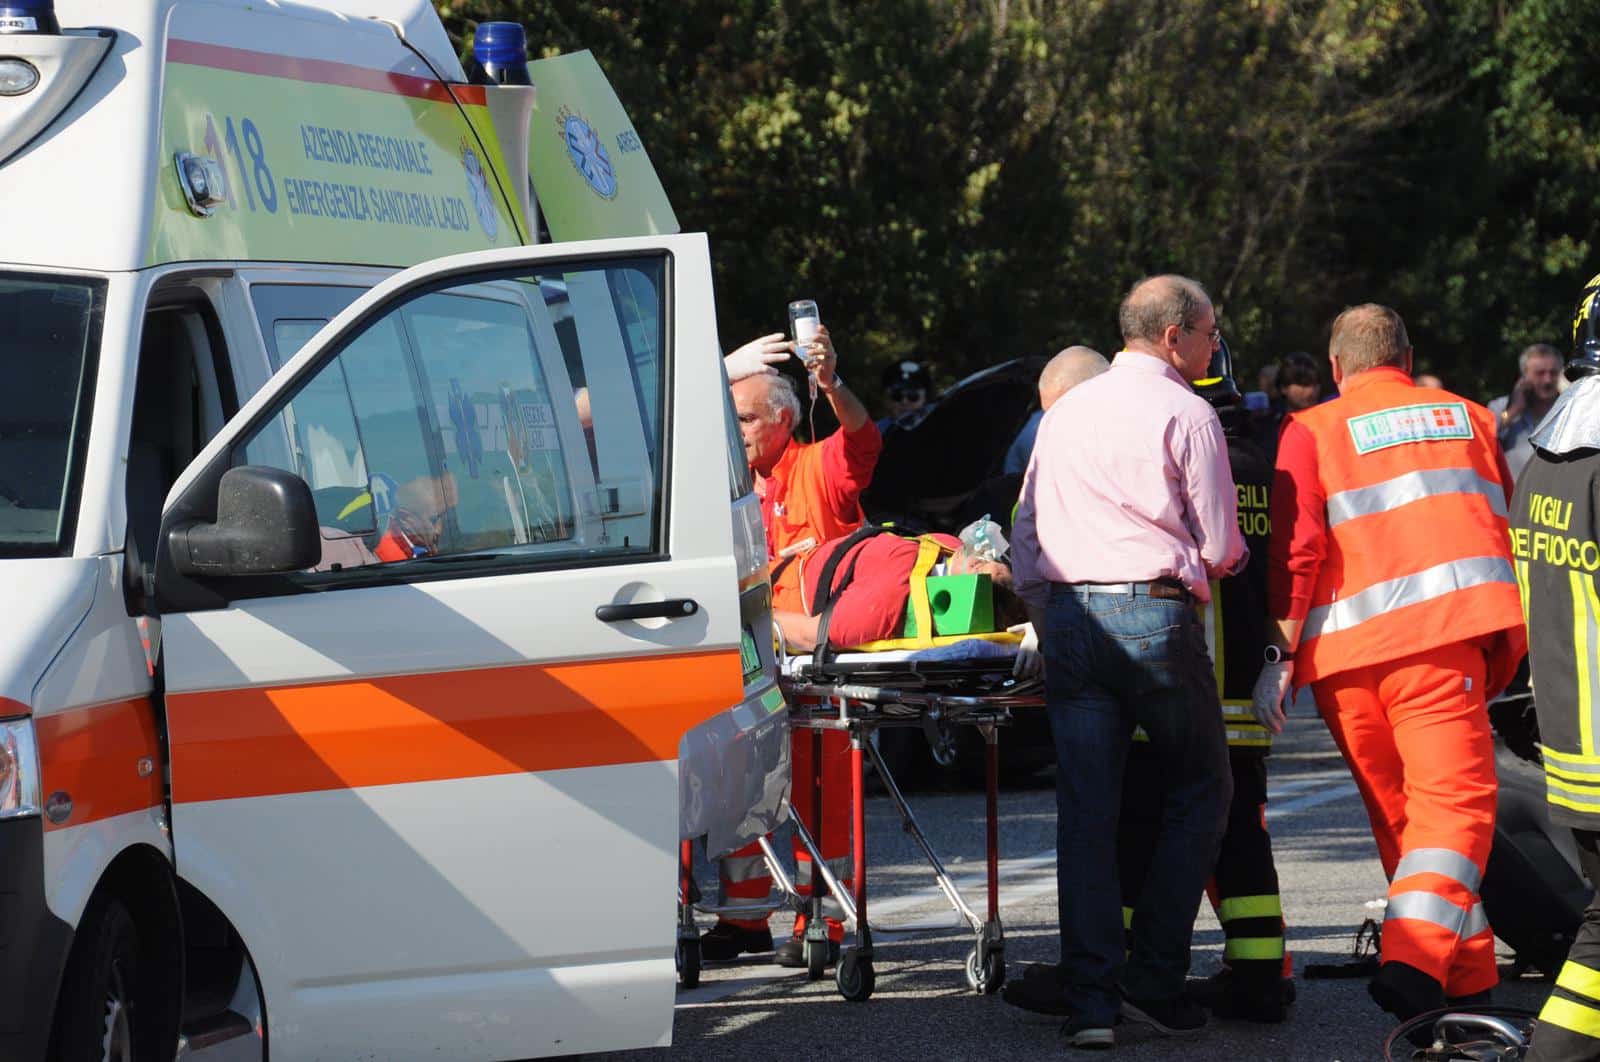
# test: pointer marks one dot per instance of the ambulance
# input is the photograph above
(380, 580)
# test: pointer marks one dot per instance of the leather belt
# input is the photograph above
(1166, 589)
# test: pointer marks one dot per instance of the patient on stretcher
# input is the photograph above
(869, 582)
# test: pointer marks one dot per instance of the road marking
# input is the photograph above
(1313, 799)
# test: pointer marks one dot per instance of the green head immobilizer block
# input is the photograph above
(961, 604)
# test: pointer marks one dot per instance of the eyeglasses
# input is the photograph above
(1215, 335)
(905, 394)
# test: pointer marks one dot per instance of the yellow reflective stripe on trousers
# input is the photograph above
(1585, 613)
(1253, 948)
(1574, 1017)
(1236, 907)
(1412, 487)
(1127, 918)
(1576, 977)
(1441, 861)
(1426, 585)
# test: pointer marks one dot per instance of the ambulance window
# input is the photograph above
(49, 335)
(290, 314)
(450, 426)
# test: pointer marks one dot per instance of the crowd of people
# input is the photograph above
(1372, 545)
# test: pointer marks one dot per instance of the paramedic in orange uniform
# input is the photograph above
(1394, 598)
(810, 493)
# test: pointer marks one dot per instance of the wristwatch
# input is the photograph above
(1273, 654)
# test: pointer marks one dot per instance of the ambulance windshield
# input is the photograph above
(49, 333)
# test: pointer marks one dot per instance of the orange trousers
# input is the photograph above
(1415, 732)
(744, 872)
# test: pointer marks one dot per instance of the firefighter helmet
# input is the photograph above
(1586, 332)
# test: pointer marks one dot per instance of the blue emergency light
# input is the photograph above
(501, 50)
(28, 16)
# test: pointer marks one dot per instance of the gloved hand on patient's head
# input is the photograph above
(758, 356)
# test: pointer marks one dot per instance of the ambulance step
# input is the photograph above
(209, 1032)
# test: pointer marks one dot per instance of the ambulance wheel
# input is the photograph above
(854, 976)
(816, 958)
(688, 956)
(98, 1018)
(986, 973)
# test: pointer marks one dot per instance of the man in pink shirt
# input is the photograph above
(1128, 511)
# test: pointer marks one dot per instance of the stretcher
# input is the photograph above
(965, 682)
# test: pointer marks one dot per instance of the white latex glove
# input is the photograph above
(1272, 689)
(1030, 661)
(758, 356)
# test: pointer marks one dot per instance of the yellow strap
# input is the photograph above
(887, 644)
(927, 556)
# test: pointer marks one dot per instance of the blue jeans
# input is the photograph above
(1113, 661)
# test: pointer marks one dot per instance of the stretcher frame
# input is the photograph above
(858, 696)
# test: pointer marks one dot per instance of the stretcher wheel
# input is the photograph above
(854, 976)
(816, 958)
(688, 959)
(986, 972)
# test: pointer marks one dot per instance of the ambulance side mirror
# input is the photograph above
(266, 524)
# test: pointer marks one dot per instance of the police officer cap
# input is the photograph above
(908, 375)
(1586, 332)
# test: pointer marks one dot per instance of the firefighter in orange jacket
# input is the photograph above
(1394, 597)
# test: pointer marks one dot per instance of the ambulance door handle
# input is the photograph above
(671, 608)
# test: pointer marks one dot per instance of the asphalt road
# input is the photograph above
(923, 1009)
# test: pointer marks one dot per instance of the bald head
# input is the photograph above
(1157, 303)
(1367, 337)
(1067, 370)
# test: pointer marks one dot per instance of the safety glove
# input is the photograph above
(1030, 661)
(757, 356)
(1272, 690)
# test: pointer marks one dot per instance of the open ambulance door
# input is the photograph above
(438, 605)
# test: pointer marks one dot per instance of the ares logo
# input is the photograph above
(478, 185)
(587, 152)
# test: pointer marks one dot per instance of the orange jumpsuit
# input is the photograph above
(1390, 540)
(813, 494)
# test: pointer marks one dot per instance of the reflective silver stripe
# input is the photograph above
(1443, 861)
(1571, 794)
(1247, 737)
(1412, 487)
(1414, 589)
(1429, 907)
(744, 868)
(1476, 922)
(1571, 762)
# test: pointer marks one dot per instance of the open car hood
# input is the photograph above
(943, 471)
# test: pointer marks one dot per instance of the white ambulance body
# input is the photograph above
(362, 567)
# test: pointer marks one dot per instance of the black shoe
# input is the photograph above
(792, 953)
(1178, 1016)
(1037, 995)
(1088, 1036)
(725, 941)
(1228, 995)
(1405, 991)
(1468, 1002)
(1045, 971)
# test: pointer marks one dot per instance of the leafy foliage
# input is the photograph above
(967, 181)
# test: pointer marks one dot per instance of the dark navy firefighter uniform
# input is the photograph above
(1244, 888)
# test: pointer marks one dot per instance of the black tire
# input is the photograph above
(688, 961)
(97, 1019)
(986, 975)
(855, 977)
(816, 952)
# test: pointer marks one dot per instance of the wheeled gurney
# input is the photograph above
(957, 682)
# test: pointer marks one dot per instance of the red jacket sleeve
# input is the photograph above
(848, 458)
(1299, 524)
